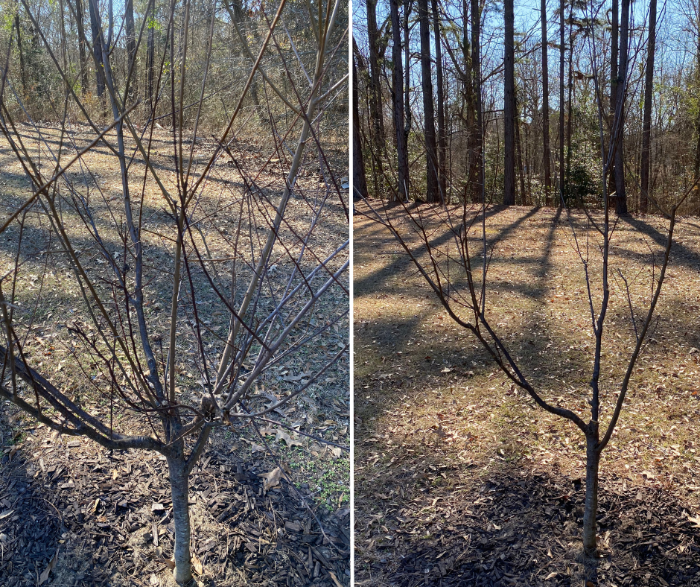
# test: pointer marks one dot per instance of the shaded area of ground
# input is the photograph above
(459, 478)
(101, 511)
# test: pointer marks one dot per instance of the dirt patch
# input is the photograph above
(458, 474)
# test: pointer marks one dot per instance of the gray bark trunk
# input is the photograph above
(428, 105)
(179, 486)
(441, 131)
(359, 179)
(590, 511)
(402, 153)
(620, 192)
(96, 27)
(509, 107)
(547, 155)
(648, 95)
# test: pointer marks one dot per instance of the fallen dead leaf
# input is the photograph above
(337, 451)
(271, 479)
(45, 575)
(197, 565)
(282, 435)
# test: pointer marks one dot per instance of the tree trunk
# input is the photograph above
(359, 178)
(179, 486)
(397, 78)
(547, 155)
(375, 93)
(570, 117)
(509, 107)
(21, 52)
(519, 154)
(82, 45)
(478, 186)
(432, 193)
(96, 27)
(590, 510)
(150, 57)
(471, 189)
(621, 195)
(407, 68)
(613, 86)
(562, 60)
(441, 131)
(131, 47)
(646, 126)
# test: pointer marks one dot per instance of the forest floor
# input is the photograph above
(102, 518)
(459, 478)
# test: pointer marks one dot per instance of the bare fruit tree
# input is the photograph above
(449, 247)
(203, 254)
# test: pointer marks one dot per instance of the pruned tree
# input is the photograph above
(193, 239)
(449, 248)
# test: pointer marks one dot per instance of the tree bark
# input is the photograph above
(179, 486)
(432, 190)
(646, 125)
(407, 6)
(509, 107)
(22, 71)
(150, 58)
(441, 130)
(621, 195)
(590, 511)
(562, 103)
(359, 177)
(375, 93)
(96, 27)
(397, 78)
(82, 45)
(547, 155)
(478, 193)
(615, 27)
(131, 47)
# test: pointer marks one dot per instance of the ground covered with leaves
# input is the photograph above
(459, 477)
(94, 518)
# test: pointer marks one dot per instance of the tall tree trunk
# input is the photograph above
(615, 28)
(547, 155)
(432, 190)
(375, 93)
(570, 117)
(150, 65)
(359, 177)
(82, 45)
(96, 27)
(519, 155)
(397, 78)
(441, 131)
(621, 199)
(591, 500)
(22, 71)
(407, 6)
(509, 106)
(562, 102)
(131, 47)
(646, 125)
(240, 23)
(479, 188)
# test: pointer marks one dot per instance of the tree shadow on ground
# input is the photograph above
(518, 526)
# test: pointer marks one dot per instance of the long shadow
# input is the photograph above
(421, 523)
(380, 276)
(679, 254)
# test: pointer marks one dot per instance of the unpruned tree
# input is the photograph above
(191, 241)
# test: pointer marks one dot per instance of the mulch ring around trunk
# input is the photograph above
(522, 529)
(94, 518)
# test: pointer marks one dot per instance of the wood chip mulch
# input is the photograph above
(105, 519)
(520, 528)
